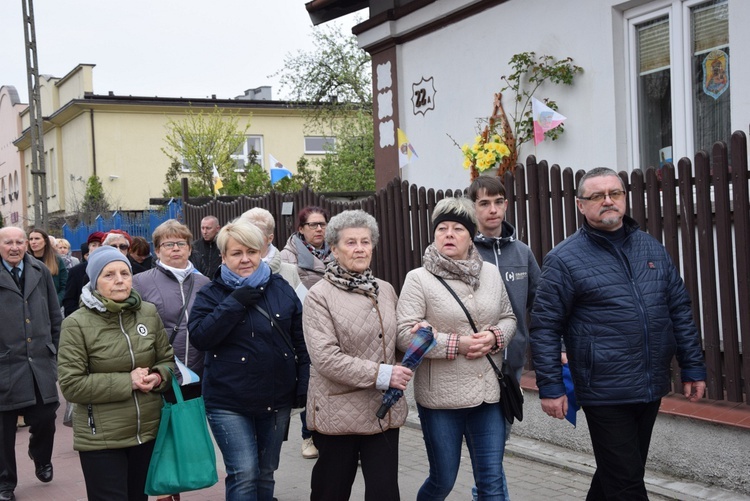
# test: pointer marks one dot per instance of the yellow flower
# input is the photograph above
(483, 154)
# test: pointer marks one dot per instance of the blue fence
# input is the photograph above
(142, 225)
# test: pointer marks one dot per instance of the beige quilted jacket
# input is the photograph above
(440, 383)
(347, 344)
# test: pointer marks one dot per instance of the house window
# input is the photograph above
(709, 52)
(250, 151)
(319, 145)
(680, 80)
(2, 189)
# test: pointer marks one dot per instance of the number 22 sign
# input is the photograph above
(423, 95)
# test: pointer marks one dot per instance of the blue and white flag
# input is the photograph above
(187, 376)
(277, 170)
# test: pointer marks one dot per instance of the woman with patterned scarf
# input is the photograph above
(350, 329)
(455, 387)
(307, 248)
(308, 251)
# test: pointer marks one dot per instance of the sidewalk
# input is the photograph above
(535, 470)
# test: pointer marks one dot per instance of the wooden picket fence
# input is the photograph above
(700, 211)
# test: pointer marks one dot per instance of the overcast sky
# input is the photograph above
(166, 48)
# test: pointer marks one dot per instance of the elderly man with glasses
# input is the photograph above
(612, 292)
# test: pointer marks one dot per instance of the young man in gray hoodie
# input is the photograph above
(496, 242)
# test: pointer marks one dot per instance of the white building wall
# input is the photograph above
(467, 59)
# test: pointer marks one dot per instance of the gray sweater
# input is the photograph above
(160, 287)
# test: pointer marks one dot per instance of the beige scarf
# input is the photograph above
(466, 270)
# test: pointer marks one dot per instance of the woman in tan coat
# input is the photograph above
(349, 320)
(455, 387)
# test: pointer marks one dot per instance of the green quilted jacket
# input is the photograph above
(98, 350)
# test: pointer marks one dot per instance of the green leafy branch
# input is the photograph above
(529, 73)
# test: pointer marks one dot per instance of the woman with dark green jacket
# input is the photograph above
(113, 363)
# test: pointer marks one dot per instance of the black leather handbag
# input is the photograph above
(511, 398)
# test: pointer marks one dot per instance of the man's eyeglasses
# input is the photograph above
(122, 247)
(322, 226)
(615, 196)
(170, 245)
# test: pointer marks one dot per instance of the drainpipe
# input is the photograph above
(93, 141)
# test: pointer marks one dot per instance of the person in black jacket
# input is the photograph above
(614, 295)
(77, 277)
(206, 256)
(256, 368)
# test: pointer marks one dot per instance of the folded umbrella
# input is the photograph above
(423, 342)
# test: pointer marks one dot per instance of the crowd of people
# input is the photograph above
(263, 331)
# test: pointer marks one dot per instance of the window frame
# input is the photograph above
(680, 64)
(246, 151)
(323, 151)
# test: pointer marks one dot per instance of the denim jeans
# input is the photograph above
(508, 425)
(444, 430)
(251, 446)
(305, 432)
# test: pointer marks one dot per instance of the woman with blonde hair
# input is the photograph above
(249, 322)
(264, 220)
(63, 250)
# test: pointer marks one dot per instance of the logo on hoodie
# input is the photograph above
(142, 330)
(511, 276)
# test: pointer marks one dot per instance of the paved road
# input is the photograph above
(535, 471)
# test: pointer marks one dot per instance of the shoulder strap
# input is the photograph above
(276, 326)
(463, 307)
(182, 312)
(495, 368)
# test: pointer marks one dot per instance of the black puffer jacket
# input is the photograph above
(249, 367)
(206, 257)
(624, 313)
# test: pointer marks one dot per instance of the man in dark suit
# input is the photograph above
(30, 319)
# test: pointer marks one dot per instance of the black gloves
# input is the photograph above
(300, 402)
(247, 296)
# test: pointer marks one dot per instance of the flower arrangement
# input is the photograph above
(488, 151)
(494, 145)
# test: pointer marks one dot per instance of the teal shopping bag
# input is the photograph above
(183, 458)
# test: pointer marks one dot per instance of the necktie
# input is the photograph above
(16, 273)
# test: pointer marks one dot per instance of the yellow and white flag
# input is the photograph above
(405, 149)
(218, 184)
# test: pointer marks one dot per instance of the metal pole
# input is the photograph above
(36, 121)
